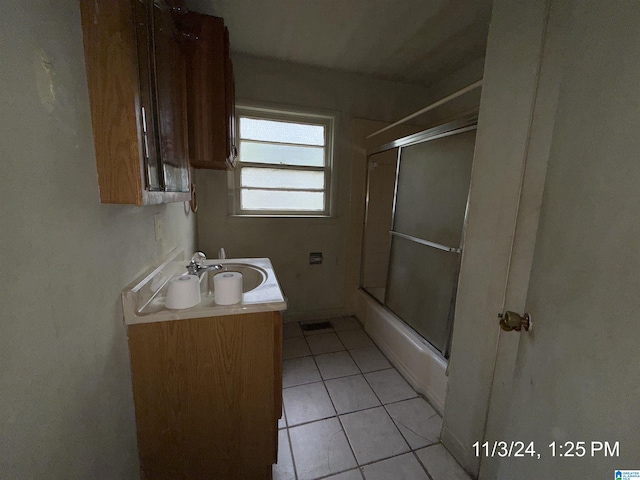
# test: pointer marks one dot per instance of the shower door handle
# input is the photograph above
(512, 321)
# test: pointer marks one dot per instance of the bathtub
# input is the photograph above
(420, 364)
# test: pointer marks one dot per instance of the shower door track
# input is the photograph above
(425, 242)
(463, 124)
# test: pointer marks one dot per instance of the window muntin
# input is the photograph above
(284, 163)
(280, 154)
(281, 132)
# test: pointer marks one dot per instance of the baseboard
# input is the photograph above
(460, 452)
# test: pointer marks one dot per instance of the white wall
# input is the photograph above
(66, 407)
(312, 290)
(319, 290)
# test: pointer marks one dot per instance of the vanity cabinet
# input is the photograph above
(208, 395)
(136, 74)
(210, 92)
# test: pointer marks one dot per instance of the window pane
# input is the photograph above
(279, 200)
(283, 132)
(279, 178)
(281, 154)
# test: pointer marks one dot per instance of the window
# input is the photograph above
(284, 163)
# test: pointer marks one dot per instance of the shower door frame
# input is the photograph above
(463, 124)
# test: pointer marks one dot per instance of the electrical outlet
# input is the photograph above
(157, 223)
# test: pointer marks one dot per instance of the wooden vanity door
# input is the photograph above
(207, 393)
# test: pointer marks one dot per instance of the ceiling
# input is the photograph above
(411, 41)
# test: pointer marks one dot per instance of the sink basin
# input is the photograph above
(252, 276)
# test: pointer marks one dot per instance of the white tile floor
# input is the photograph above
(349, 415)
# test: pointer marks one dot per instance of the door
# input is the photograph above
(376, 244)
(432, 189)
(171, 105)
(569, 389)
(507, 179)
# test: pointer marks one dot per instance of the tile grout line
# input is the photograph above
(286, 426)
(424, 467)
(411, 450)
(293, 460)
(359, 466)
(313, 356)
(336, 410)
(337, 415)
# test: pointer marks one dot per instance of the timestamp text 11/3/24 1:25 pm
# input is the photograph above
(555, 449)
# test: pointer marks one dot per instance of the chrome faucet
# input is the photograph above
(197, 267)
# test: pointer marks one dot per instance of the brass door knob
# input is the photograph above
(512, 321)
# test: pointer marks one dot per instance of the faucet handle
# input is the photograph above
(196, 263)
(198, 259)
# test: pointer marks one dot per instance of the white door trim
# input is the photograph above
(503, 217)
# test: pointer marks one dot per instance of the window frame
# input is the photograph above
(291, 115)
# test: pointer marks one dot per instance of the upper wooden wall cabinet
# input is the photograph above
(210, 92)
(136, 74)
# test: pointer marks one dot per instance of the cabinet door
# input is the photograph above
(169, 70)
(230, 103)
(204, 396)
(211, 98)
(137, 110)
(142, 12)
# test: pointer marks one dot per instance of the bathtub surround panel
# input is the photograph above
(66, 405)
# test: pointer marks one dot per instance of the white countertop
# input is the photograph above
(143, 300)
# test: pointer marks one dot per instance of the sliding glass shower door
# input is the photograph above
(377, 240)
(426, 230)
